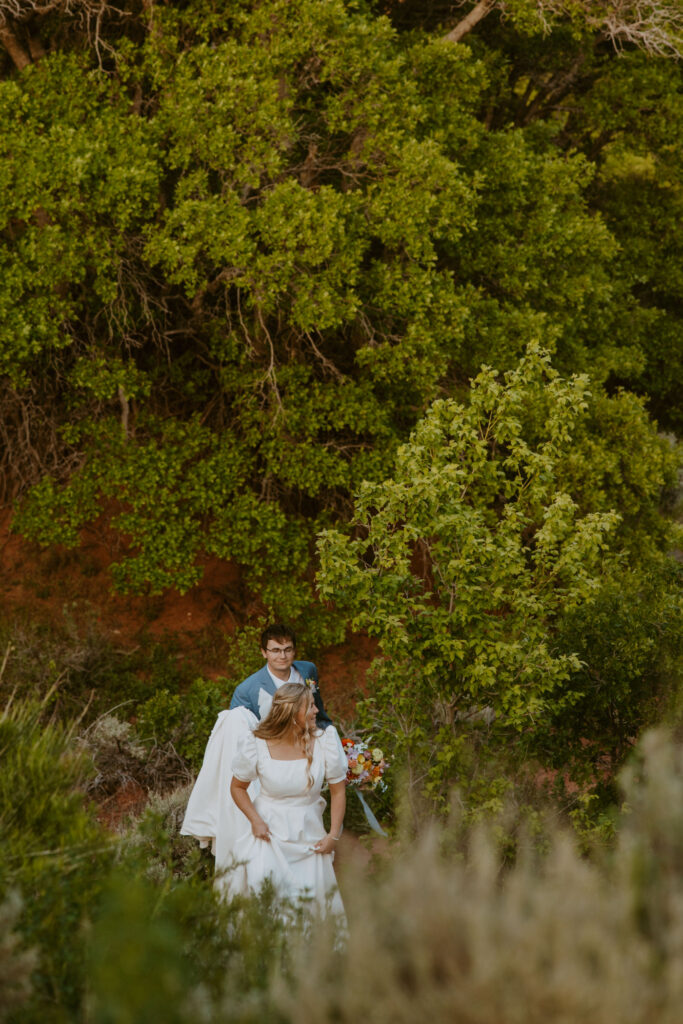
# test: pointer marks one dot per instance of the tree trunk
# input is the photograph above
(468, 22)
(125, 411)
(16, 51)
(36, 48)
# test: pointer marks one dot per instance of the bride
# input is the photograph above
(270, 824)
(291, 759)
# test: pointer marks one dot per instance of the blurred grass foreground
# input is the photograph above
(112, 928)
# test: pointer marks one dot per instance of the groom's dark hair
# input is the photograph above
(277, 632)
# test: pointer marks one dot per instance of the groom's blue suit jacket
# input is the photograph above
(246, 694)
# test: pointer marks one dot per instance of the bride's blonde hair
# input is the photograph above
(288, 700)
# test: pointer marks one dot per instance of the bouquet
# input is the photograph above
(366, 765)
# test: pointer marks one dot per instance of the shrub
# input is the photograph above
(160, 850)
(121, 760)
(51, 849)
(460, 563)
(16, 964)
(455, 927)
(72, 657)
(123, 931)
(629, 639)
(185, 720)
(177, 954)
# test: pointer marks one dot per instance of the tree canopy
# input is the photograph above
(243, 250)
(468, 559)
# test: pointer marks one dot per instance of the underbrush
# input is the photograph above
(457, 924)
(184, 720)
(108, 927)
(556, 937)
(122, 760)
(74, 663)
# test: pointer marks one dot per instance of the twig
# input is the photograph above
(5, 659)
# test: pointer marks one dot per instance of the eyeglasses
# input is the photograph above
(280, 650)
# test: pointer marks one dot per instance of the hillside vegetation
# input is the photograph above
(368, 316)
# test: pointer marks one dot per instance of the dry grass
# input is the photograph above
(121, 760)
(447, 930)
(554, 939)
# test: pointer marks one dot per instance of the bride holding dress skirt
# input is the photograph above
(258, 801)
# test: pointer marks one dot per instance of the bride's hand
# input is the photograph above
(260, 830)
(326, 845)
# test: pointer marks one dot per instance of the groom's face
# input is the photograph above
(279, 655)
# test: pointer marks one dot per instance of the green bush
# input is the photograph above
(126, 930)
(455, 926)
(185, 719)
(16, 964)
(460, 564)
(226, 316)
(161, 918)
(72, 656)
(159, 850)
(176, 954)
(138, 970)
(75, 658)
(52, 851)
(629, 641)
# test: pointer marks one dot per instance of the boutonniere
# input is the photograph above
(311, 684)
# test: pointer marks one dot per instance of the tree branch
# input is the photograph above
(655, 26)
(36, 48)
(19, 56)
(554, 90)
(125, 410)
(469, 21)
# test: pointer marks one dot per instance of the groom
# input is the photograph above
(278, 647)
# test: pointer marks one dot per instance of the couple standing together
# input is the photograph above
(257, 799)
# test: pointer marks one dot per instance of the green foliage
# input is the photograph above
(629, 641)
(619, 460)
(16, 964)
(149, 939)
(114, 929)
(639, 105)
(65, 220)
(185, 719)
(274, 235)
(136, 964)
(251, 256)
(160, 917)
(75, 661)
(177, 953)
(462, 563)
(51, 849)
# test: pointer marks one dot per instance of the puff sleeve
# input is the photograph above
(336, 764)
(244, 765)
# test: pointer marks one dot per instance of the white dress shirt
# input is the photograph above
(265, 699)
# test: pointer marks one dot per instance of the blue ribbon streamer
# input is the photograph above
(371, 819)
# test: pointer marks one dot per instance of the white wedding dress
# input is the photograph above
(294, 815)
(292, 812)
